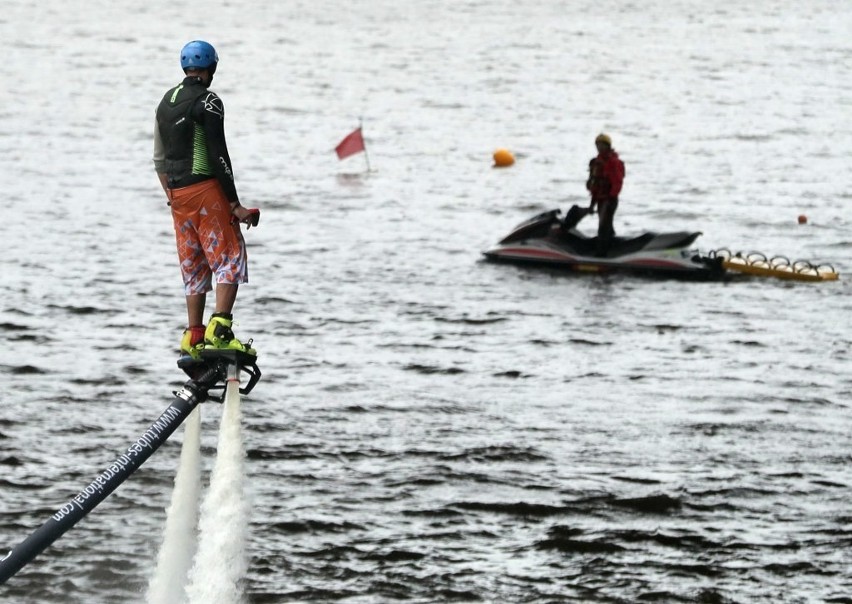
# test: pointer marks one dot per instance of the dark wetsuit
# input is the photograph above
(189, 140)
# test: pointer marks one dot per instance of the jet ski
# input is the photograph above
(547, 239)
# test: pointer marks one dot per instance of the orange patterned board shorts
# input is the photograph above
(208, 241)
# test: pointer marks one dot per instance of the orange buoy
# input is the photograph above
(803, 219)
(503, 158)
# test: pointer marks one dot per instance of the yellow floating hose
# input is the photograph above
(758, 264)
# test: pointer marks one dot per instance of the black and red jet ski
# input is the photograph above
(547, 239)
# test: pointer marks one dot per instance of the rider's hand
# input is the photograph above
(248, 216)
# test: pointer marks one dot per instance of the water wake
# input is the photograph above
(220, 563)
(178, 549)
(213, 539)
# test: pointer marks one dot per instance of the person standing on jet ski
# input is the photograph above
(606, 177)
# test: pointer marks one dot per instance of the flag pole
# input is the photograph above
(366, 155)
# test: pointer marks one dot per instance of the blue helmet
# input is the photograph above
(198, 54)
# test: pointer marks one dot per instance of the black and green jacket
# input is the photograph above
(189, 141)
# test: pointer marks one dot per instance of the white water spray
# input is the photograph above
(220, 563)
(179, 537)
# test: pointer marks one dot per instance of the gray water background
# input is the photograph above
(430, 427)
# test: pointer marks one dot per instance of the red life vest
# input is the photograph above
(606, 176)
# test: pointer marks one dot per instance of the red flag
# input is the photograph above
(353, 143)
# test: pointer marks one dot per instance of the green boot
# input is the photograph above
(220, 336)
(192, 341)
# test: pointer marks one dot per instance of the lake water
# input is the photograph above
(430, 427)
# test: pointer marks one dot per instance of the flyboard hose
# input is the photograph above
(195, 391)
(761, 265)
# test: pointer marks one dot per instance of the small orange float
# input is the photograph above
(503, 158)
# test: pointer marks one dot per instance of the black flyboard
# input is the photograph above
(212, 358)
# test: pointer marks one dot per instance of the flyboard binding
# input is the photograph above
(211, 370)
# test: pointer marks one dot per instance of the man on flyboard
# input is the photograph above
(191, 159)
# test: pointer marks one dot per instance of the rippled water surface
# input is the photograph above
(432, 428)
